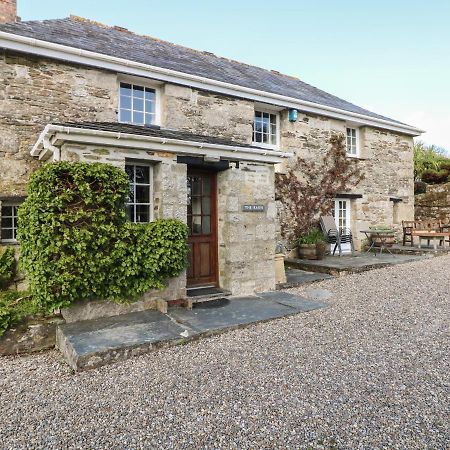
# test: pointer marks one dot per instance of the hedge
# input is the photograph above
(76, 241)
(7, 266)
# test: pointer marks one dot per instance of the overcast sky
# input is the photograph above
(391, 57)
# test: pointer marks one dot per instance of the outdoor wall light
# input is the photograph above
(293, 114)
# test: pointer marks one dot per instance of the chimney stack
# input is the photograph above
(8, 11)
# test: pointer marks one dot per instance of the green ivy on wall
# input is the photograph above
(76, 242)
(7, 266)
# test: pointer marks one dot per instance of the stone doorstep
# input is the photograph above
(95, 343)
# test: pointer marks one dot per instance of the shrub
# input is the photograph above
(14, 306)
(7, 266)
(76, 242)
(313, 236)
(427, 157)
(420, 187)
(434, 177)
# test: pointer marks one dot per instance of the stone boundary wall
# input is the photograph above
(434, 204)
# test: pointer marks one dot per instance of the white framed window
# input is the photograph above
(139, 206)
(137, 104)
(265, 128)
(352, 142)
(8, 225)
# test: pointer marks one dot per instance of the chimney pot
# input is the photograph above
(8, 11)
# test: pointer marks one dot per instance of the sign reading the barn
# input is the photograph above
(253, 208)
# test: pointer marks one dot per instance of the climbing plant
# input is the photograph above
(76, 241)
(308, 187)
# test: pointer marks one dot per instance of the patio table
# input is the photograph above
(431, 236)
(382, 236)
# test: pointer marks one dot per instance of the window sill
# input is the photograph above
(267, 146)
(9, 242)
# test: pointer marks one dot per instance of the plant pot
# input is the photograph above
(388, 238)
(311, 251)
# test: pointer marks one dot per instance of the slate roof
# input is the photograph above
(154, 131)
(114, 41)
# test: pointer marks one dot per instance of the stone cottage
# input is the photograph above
(200, 137)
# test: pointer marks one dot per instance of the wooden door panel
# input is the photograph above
(202, 223)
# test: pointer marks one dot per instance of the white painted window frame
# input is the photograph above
(357, 150)
(272, 112)
(14, 205)
(148, 84)
(150, 205)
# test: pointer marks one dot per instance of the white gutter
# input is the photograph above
(85, 57)
(54, 135)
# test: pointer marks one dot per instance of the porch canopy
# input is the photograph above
(137, 137)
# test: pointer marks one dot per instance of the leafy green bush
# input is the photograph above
(313, 236)
(14, 306)
(427, 157)
(7, 266)
(76, 242)
(435, 176)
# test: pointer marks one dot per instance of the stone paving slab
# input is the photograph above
(94, 343)
(297, 277)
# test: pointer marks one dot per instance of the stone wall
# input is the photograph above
(247, 239)
(207, 113)
(34, 92)
(385, 158)
(434, 204)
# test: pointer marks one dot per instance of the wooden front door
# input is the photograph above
(202, 223)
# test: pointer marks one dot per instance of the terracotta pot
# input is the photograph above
(311, 251)
(389, 239)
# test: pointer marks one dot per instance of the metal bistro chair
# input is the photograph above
(408, 226)
(333, 236)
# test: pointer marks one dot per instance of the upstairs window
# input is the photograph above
(352, 142)
(9, 223)
(137, 104)
(265, 128)
(139, 204)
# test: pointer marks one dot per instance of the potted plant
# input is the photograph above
(311, 245)
(382, 233)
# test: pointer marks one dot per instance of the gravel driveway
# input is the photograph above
(371, 371)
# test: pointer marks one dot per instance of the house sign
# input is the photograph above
(253, 208)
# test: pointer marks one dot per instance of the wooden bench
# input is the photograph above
(423, 228)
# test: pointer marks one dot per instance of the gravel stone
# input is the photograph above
(369, 372)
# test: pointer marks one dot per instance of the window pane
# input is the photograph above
(206, 186)
(138, 104)
(138, 117)
(273, 139)
(130, 212)
(142, 213)
(196, 205)
(125, 89)
(150, 94)
(265, 138)
(273, 129)
(130, 172)
(196, 186)
(149, 107)
(206, 224)
(258, 126)
(125, 115)
(142, 194)
(138, 91)
(265, 127)
(196, 225)
(7, 222)
(125, 102)
(7, 234)
(7, 211)
(266, 116)
(142, 174)
(206, 205)
(258, 137)
(273, 119)
(149, 119)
